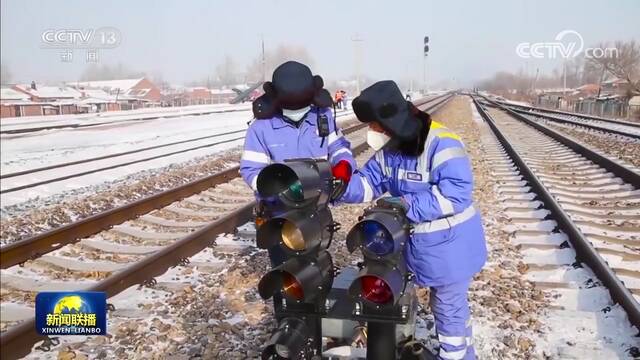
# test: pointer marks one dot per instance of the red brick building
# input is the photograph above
(129, 93)
(15, 103)
(55, 100)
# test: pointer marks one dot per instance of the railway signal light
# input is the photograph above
(288, 341)
(381, 234)
(299, 279)
(426, 45)
(295, 195)
(296, 183)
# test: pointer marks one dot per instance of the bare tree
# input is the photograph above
(226, 72)
(591, 72)
(108, 72)
(273, 58)
(623, 63)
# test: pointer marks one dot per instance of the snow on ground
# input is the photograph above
(44, 148)
(28, 122)
(521, 103)
(28, 152)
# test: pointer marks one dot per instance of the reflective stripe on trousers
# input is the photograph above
(451, 311)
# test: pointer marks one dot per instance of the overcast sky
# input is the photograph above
(183, 40)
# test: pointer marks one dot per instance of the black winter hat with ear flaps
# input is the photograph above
(384, 103)
(293, 87)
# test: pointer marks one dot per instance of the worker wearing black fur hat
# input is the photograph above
(294, 120)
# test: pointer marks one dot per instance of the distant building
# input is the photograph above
(614, 87)
(610, 99)
(585, 91)
(199, 95)
(15, 103)
(634, 108)
(96, 100)
(54, 100)
(129, 93)
(222, 96)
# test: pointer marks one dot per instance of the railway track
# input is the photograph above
(177, 112)
(610, 138)
(129, 245)
(92, 165)
(596, 124)
(575, 216)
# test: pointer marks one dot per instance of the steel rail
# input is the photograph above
(109, 156)
(577, 123)
(611, 165)
(585, 251)
(114, 166)
(141, 118)
(18, 341)
(38, 245)
(584, 116)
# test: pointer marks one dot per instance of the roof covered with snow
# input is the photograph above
(222, 91)
(10, 94)
(98, 94)
(124, 84)
(51, 92)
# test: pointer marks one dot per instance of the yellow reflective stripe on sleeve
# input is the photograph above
(444, 134)
(449, 135)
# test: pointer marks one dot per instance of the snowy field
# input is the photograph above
(31, 122)
(50, 147)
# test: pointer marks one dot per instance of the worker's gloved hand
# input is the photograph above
(395, 202)
(342, 175)
(342, 171)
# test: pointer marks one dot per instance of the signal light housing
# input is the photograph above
(379, 283)
(296, 183)
(297, 232)
(299, 279)
(296, 224)
(381, 234)
(288, 341)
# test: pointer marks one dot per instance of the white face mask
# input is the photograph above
(296, 115)
(377, 139)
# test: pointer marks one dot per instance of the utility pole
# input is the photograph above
(357, 49)
(535, 80)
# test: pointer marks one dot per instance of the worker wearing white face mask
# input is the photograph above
(376, 138)
(296, 115)
(294, 119)
(424, 167)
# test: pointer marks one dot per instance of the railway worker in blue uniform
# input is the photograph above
(294, 120)
(425, 169)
